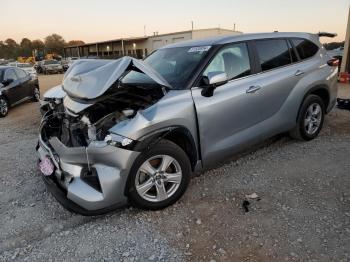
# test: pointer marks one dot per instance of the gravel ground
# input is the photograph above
(302, 212)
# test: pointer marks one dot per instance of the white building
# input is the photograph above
(140, 47)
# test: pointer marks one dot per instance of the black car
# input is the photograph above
(16, 86)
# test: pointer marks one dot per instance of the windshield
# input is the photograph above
(24, 65)
(51, 62)
(175, 65)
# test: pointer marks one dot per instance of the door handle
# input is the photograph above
(252, 89)
(299, 73)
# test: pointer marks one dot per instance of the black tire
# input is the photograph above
(300, 132)
(4, 113)
(164, 147)
(36, 94)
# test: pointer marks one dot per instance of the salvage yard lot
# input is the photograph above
(303, 212)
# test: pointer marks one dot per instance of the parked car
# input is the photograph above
(131, 130)
(29, 68)
(66, 63)
(49, 66)
(337, 53)
(16, 86)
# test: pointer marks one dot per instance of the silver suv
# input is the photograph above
(130, 130)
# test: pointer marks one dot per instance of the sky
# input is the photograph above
(97, 20)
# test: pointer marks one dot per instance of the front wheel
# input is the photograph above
(36, 94)
(159, 177)
(310, 119)
(4, 106)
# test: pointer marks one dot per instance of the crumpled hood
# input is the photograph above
(91, 78)
(55, 93)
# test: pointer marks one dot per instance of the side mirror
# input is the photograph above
(213, 80)
(7, 82)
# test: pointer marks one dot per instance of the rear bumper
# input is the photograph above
(333, 90)
(110, 165)
(53, 69)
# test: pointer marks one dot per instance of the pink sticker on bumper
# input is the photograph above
(46, 167)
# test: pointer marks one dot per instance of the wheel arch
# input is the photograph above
(179, 135)
(319, 90)
(322, 92)
(5, 96)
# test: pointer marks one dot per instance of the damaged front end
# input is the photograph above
(90, 162)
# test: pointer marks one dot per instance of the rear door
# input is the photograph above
(279, 75)
(12, 89)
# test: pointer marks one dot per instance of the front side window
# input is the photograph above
(20, 73)
(273, 53)
(10, 74)
(305, 48)
(233, 60)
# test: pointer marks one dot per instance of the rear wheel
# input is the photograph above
(159, 177)
(4, 106)
(310, 119)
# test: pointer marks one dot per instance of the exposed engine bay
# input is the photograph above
(94, 122)
(119, 102)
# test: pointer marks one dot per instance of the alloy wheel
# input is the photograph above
(3, 107)
(313, 118)
(158, 178)
(36, 94)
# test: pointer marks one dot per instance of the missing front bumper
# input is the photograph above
(111, 165)
(61, 196)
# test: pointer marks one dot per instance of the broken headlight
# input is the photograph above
(118, 140)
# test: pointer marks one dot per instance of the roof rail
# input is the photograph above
(325, 34)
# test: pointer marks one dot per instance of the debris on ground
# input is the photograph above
(245, 205)
(252, 196)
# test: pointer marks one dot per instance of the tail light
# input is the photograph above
(333, 62)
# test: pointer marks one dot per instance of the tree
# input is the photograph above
(2, 50)
(11, 48)
(75, 43)
(38, 47)
(11, 43)
(54, 44)
(26, 47)
(38, 44)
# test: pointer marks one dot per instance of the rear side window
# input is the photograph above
(305, 48)
(10, 74)
(273, 53)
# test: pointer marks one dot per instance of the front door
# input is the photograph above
(12, 89)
